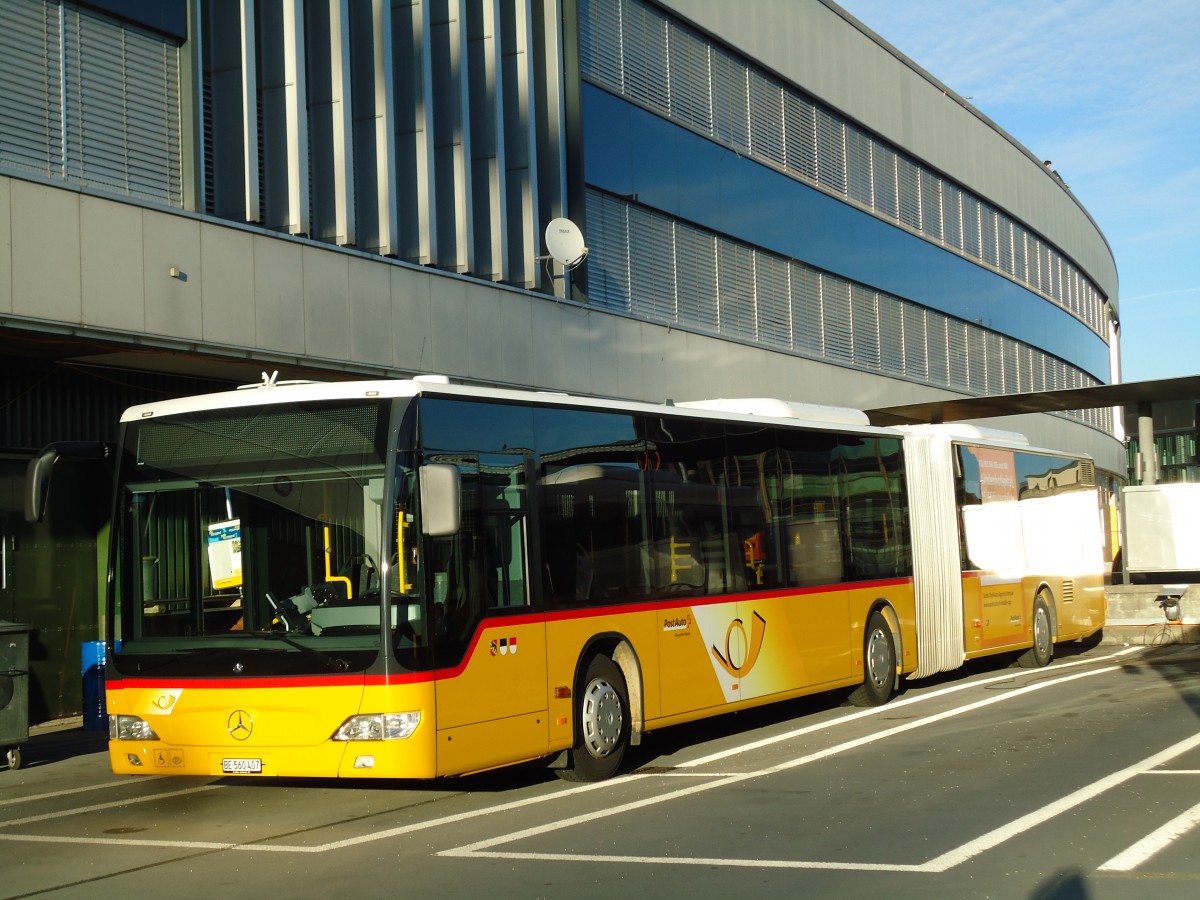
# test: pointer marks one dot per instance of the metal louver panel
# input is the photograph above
(970, 225)
(765, 107)
(838, 332)
(807, 328)
(957, 362)
(800, 130)
(774, 301)
(994, 357)
(831, 152)
(865, 327)
(989, 235)
(730, 115)
(652, 267)
(600, 52)
(644, 41)
(936, 327)
(908, 181)
(696, 255)
(886, 197)
(859, 180)
(931, 206)
(1012, 368)
(735, 290)
(608, 262)
(976, 360)
(121, 108)
(1020, 256)
(1087, 472)
(1005, 242)
(30, 87)
(688, 61)
(916, 342)
(952, 216)
(892, 335)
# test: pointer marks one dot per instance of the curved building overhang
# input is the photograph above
(637, 155)
(828, 53)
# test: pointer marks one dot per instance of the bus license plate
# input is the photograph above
(241, 766)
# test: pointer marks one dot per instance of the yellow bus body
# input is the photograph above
(512, 699)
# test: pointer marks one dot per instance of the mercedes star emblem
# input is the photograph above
(241, 724)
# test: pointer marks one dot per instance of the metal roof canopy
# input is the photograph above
(953, 410)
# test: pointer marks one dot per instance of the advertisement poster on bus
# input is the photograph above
(997, 474)
(225, 553)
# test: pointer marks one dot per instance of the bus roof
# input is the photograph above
(270, 391)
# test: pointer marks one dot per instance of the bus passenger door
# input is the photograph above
(491, 648)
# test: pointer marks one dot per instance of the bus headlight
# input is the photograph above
(130, 728)
(378, 727)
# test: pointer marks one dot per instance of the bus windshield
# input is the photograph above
(255, 529)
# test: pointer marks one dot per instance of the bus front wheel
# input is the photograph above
(1043, 639)
(602, 723)
(879, 664)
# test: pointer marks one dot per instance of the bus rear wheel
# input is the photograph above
(879, 664)
(602, 723)
(1043, 638)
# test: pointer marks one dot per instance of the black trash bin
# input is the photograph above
(14, 690)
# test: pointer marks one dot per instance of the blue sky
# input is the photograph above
(1109, 91)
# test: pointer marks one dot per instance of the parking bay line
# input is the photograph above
(890, 707)
(1132, 857)
(113, 804)
(559, 795)
(945, 861)
(48, 795)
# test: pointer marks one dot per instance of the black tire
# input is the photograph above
(879, 664)
(601, 722)
(1042, 650)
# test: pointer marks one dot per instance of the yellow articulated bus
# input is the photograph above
(413, 579)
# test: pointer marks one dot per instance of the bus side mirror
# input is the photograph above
(41, 468)
(440, 491)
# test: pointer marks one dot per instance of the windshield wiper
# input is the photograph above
(333, 663)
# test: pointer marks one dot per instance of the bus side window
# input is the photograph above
(808, 511)
(482, 566)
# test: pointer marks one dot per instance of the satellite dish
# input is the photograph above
(565, 242)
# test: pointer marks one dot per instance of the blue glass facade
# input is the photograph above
(632, 153)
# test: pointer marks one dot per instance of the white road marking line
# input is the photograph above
(732, 863)
(315, 848)
(110, 842)
(479, 847)
(149, 798)
(79, 790)
(1156, 840)
(938, 864)
(1175, 772)
(1037, 817)
(563, 794)
(889, 707)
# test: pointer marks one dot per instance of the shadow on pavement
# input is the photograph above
(49, 744)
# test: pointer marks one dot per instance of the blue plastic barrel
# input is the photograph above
(95, 711)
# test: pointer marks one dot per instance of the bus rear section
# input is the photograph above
(1011, 549)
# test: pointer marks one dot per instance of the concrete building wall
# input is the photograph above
(88, 265)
